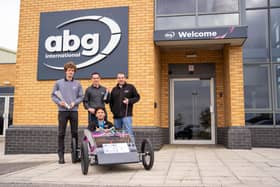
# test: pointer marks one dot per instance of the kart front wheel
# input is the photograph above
(147, 152)
(84, 157)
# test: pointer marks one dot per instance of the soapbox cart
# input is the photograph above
(110, 147)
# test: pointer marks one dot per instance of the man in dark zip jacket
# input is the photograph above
(123, 97)
(96, 95)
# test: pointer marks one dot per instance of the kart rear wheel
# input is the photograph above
(74, 151)
(84, 157)
(147, 152)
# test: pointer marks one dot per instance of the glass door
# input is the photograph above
(6, 113)
(192, 111)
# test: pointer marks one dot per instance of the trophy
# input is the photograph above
(59, 95)
(105, 96)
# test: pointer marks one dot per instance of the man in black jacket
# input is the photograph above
(123, 96)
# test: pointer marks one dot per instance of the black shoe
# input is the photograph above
(61, 158)
(61, 161)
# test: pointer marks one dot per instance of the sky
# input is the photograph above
(9, 20)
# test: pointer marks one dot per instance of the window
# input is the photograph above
(256, 3)
(278, 85)
(262, 48)
(165, 7)
(277, 119)
(179, 14)
(275, 34)
(274, 3)
(178, 22)
(259, 119)
(256, 87)
(256, 45)
(211, 6)
(217, 20)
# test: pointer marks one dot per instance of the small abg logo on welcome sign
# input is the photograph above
(96, 40)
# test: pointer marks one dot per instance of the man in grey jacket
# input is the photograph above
(67, 94)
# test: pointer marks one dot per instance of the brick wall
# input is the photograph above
(32, 98)
(8, 73)
(43, 139)
(233, 83)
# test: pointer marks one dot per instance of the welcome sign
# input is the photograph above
(95, 40)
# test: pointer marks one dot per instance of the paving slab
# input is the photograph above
(175, 165)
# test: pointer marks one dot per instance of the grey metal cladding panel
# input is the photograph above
(117, 158)
(200, 69)
(7, 89)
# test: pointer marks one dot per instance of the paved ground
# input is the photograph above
(179, 165)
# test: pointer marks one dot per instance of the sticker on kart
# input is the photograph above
(115, 148)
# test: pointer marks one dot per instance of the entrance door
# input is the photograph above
(6, 113)
(192, 111)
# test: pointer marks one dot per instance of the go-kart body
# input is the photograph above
(110, 147)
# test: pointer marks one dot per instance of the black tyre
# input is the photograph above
(74, 151)
(84, 157)
(147, 152)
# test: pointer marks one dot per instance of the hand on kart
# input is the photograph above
(112, 129)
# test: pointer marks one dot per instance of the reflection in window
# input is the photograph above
(274, 3)
(278, 85)
(218, 20)
(175, 6)
(179, 22)
(256, 45)
(277, 119)
(11, 110)
(256, 87)
(256, 3)
(258, 119)
(275, 34)
(181, 14)
(210, 6)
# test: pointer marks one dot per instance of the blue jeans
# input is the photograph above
(126, 124)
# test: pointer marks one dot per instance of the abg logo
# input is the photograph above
(89, 42)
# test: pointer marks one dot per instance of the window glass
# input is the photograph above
(178, 22)
(259, 119)
(11, 110)
(275, 34)
(278, 85)
(210, 6)
(256, 45)
(256, 87)
(274, 3)
(256, 3)
(218, 20)
(175, 6)
(277, 119)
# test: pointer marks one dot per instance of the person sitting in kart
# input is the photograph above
(101, 124)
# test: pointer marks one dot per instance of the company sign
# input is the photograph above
(201, 34)
(95, 40)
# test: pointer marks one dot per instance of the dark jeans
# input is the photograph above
(63, 118)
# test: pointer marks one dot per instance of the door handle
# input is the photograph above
(211, 109)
